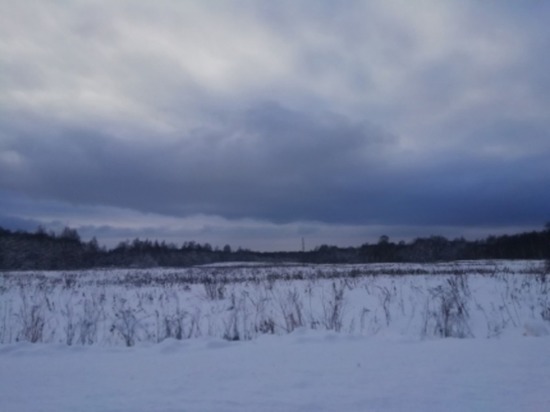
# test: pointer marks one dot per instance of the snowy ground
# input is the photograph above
(302, 371)
(128, 307)
(287, 338)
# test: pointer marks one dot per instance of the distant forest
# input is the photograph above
(63, 251)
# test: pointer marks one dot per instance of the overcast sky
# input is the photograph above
(257, 123)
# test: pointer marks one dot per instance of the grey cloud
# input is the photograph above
(374, 113)
(269, 162)
(283, 165)
(16, 223)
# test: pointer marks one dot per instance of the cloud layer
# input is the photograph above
(373, 114)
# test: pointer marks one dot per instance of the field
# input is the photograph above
(448, 336)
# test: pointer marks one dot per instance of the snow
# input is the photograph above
(302, 371)
(126, 307)
(312, 338)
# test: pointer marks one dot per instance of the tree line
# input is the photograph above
(41, 250)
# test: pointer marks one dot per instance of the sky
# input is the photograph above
(259, 123)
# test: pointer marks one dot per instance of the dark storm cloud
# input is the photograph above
(281, 165)
(269, 162)
(390, 113)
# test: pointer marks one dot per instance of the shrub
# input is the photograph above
(214, 290)
(449, 315)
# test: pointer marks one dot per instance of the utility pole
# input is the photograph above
(303, 245)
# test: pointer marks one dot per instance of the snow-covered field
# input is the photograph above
(453, 336)
(304, 371)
